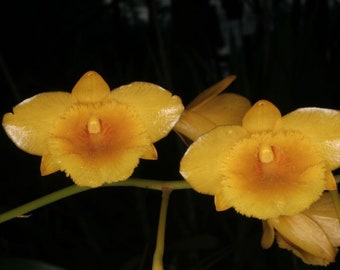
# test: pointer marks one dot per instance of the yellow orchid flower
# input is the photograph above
(95, 135)
(211, 109)
(313, 235)
(270, 165)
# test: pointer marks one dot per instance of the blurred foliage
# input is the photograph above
(284, 51)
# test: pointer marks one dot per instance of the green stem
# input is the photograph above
(152, 184)
(157, 263)
(52, 197)
(74, 189)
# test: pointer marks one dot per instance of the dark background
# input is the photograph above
(285, 51)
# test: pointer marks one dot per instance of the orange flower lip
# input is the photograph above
(113, 127)
(277, 171)
(115, 134)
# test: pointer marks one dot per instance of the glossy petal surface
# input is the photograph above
(262, 116)
(31, 121)
(201, 164)
(90, 88)
(157, 108)
(323, 125)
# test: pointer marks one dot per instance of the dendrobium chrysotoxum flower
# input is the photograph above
(313, 235)
(270, 165)
(95, 135)
(211, 109)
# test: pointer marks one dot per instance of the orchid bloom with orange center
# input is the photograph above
(270, 165)
(211, 109)
(313, 235)
(95, 135)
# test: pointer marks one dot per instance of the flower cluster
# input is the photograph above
(275, 168)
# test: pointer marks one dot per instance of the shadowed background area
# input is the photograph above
(285, 51)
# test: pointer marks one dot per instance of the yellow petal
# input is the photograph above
(221, 202)
(151, 153)
(32, 120)
(157, 108)
(225, 109)
(305, 234)
(192, 125)
(48, 164)
(105, 154)
(323, 213)
(306, 257)
(211, 92)
(90, 88)
(201, 163)
(268, 235)
(323, 125)
(330, 181)
(265, 186)
(261, 117)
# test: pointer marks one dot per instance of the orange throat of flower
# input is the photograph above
(273, 174)
(99, 143)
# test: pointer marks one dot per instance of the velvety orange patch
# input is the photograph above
(267, 175)
(98, 143)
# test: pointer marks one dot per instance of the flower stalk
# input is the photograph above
(157, 263)
(74, 189)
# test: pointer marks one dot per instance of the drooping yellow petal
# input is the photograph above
(266, 186)
(268, 235)
(330, 181)
(261, 117)
(103, 152)
(323, 212)
(48, 164)
(150, 154)
(305, 234)
(31, 122)
(192, 125)
(306, 257)
(201, 163)
(90, 88)
(224, 109)
(323, 125)
(221, 201)
(157, 108)
(211, 92)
